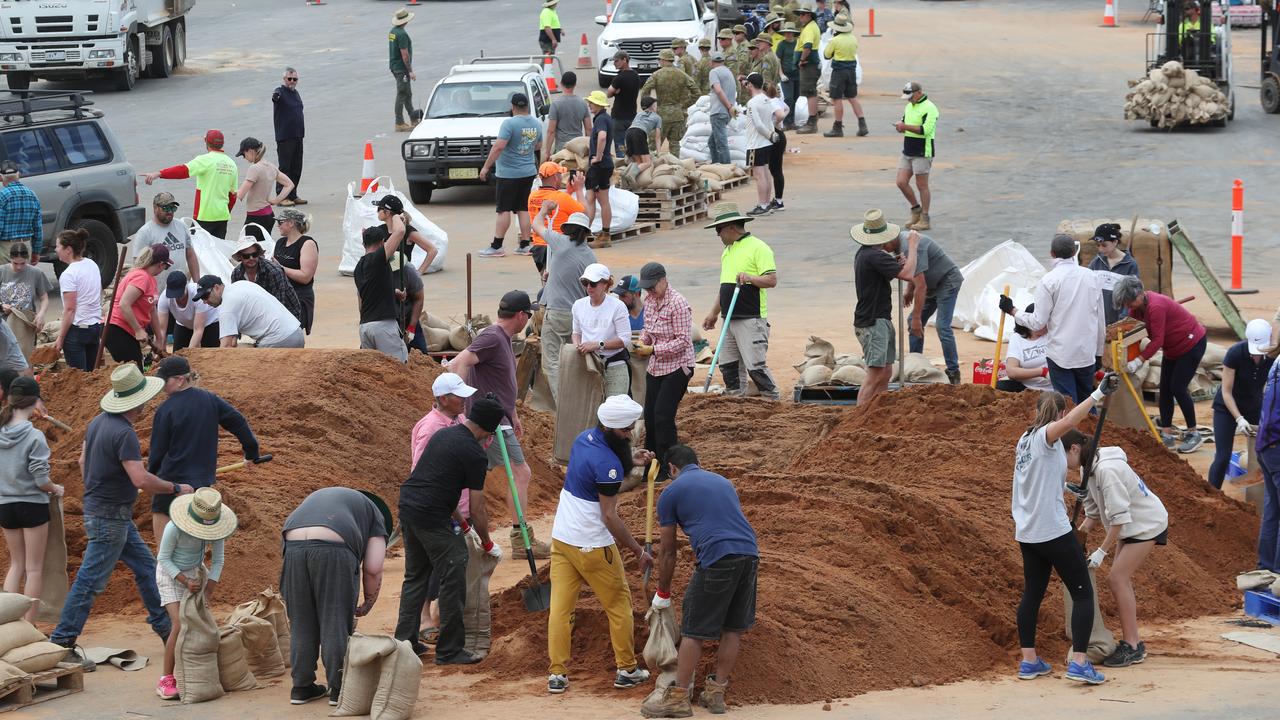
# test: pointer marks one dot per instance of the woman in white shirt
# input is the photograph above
(195, 322)
(602, 325)
(81, 284)
(760, 137)
(1026, 364)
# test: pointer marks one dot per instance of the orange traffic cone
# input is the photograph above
(608, 10)
(548, 75)
(584, 54)
(1109, 14)
(367, 171)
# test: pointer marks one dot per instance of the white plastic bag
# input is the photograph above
(624, 206)
(361, 214)
(802, 110)
(977, 305)
(213, 253)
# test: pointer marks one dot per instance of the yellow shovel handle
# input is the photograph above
(995, 363)
(1137, 397)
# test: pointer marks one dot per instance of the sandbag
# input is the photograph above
(667, 182)
(477, 611)
(397, 685)
(844, 359)
(262, 648)
(53, 594)
(437, 340)
(10, 676)
(580, 392)
(196, 655)
(431, 321)
(233, 666)
(919, 370)
(816, 375)
(817, 352)
(851, 375)
(625, 206)
(360, 670)
(13, 606)
(802, 110)
(660, 650)
(35, 657)
(269, 606)
(17, 633)
(1101, 642)
(459, 338)
(579, 146)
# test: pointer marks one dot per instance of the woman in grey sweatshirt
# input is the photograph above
(25, 490)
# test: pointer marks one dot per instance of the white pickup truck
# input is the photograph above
(644, 28)
(449, 146)
(75, 39)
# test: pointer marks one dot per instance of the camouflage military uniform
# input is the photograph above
(675, 91)
(767, 65)
(686, 62)
(702, 69)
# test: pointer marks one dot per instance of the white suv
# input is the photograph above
(645, 28)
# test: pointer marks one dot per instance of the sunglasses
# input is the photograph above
(589, 283)
(251, 256)
(289, 79)
(168, 208)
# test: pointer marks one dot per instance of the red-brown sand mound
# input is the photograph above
(887, 546)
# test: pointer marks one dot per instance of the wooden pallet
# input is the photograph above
(639, 229)
(670, 209)
(64, 679)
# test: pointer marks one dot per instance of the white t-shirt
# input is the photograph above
(600, 323)
(1039, 474)
(249, 310)
(759, 121)
(173, 236)
(1030, 355)
(83, 278)
(186, 316)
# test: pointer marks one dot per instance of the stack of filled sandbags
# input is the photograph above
(24, 650)
(823, 366)
(665, 172)
(574, 154)
(1172, 95)
(1146, 239)
(453, 334)
(697, 135)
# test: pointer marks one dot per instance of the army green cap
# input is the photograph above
(739, 29)
(667, 54)
(704, 42)
(725, 34)
(765, 38)
(679, 42)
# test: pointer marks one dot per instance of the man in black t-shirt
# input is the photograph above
(453, 461)
(624, 90)
(874, 266)
(379, 323)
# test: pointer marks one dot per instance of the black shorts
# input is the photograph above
(123, 346)
(637, 142)
(512, 194)
(1161, 539)
(599, 178)
(21, 515)
(721, 597)
(759, 157)
(539, 255)
(809, 78)
(844, 84)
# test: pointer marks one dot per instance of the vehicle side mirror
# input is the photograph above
(602, 20)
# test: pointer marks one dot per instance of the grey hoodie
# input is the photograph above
(1117, 496)
(24, 464)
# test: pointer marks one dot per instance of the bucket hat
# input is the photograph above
(577, 220)
(402, 17)
(129, 389)
(598, 98)
(874, 229)
(202, 515)
(726, 212)
(248, 239)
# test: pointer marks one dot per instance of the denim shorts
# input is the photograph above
(721, 597)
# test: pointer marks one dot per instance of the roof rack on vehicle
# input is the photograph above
(25, 103)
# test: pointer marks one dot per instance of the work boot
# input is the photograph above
(922, 223)
(541, 550)
(837, 130)
(915, 218)
(673, 703)
(600, 241)
(403, 127)
(953, 376)
(862, 127)
(712, 697)
(808, 128)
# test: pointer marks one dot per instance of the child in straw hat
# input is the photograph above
(198, 522)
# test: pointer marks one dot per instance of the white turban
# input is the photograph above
(619, 412)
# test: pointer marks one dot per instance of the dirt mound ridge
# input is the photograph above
(887, 546)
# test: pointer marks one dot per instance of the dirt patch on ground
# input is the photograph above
(887, 547)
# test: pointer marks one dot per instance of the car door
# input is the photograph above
(41, 168)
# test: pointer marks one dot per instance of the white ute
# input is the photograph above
(645, 28)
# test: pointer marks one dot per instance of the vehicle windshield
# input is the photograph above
(473, 99)
(639, 11)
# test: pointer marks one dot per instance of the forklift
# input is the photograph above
(1205, 49)
(1270, 93)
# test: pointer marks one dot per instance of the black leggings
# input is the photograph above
(1038, 559)
(182, 337)
(1175, 375)
(662, 398)
(778, 149)
(123, 346)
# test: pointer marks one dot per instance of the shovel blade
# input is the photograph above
(537, 598)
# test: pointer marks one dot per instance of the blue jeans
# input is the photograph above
(1075, 383)
(718, 145)
(942, 300)
(1268, 535)
(81, 346)
(620, 128)
(110, 541)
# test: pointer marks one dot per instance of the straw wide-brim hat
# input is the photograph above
(874, 229)
(550, 3)
(726, 212)
(129, 389)
(402, 17)
(245, 242)
(841, 27)
(202, 515)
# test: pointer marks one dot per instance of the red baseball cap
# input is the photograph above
(214, 138)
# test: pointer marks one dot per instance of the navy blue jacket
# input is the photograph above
(288, 114)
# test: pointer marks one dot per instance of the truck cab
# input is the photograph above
(462, 118)
(644, 28)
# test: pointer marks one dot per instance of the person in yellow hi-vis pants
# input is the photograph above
(585, 539)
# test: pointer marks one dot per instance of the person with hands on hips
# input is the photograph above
(720, 601)
(1135, 520)
(1237, 405)
(585, 538)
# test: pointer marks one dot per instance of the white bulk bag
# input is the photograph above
(361, 214)
(624, 205)
(977, 306)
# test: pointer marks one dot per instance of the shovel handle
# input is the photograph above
(715, 359)
(515, 500)
(995, 362)
(236, 466)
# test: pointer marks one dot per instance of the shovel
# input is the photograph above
(537, 597)
(715, 359)
(648, 523)
(236, 466)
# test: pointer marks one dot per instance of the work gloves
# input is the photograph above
(1244, 427)
(409, 332)
(660, 602)
(1133, 365)
(1109, 383)
(1006, 305)
(640, 350)
(1096, 558)
(494, 551)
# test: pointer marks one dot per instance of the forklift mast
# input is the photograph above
(1196, 51)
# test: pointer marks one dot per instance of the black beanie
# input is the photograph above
(487, 413)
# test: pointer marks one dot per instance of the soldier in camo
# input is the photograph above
(675, 91)
(684, 60)
(741, 48)
(724, 39)
(703, 68)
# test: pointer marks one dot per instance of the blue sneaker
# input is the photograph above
(1031, 671)
(1085, 673)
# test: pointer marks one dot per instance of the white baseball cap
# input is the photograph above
(451, 384)
(595, 272)
(1258, 334)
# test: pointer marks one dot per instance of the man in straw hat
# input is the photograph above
(549, 27)
(788, 57)
(568, 257)
(585, 538)
(807, 49)
(245, 308)
(201, 523)
(842, 51)
(401, 59)
(336, 535)
(453, 461)
(874, 265)
(746, 263)
(184, 435)
(600, 166)
(111, 464)
(252, 266)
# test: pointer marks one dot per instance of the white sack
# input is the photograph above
(977, 306)
(361, 214)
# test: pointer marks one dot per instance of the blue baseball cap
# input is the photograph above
(176, 284)
(628, 284)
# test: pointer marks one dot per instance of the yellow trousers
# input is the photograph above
(601, 569)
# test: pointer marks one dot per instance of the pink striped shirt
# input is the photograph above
(667, 327)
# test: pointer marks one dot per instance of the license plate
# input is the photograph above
(464, 173)
(55, 55)
(648, 66)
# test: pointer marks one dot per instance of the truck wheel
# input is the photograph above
(1270, 93)
(162, 56)
(19, 80)
(420, 192)
(100, 248)
(125, 78)
(179, 43)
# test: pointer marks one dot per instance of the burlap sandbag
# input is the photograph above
(431, 321)
(578, 146)
(437, 339)
(360, 670)
(13, 606)
(817, 352)
(196, 655)
(53, 594)
(262, 648)
(477, 611)
(16, 633)
(580, 393)
(233, 666)
(660, 650)
(920, 370)
(10, 676)
(850, 375)
(667, 182)
(35, 657)
(815, 375)
(269, 606)
(397, 685)
(1101, 642)
(459, 338)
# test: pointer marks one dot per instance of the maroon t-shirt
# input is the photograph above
(495, 368)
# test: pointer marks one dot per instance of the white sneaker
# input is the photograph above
(626, 679)
(492, 252)
(557, 684)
